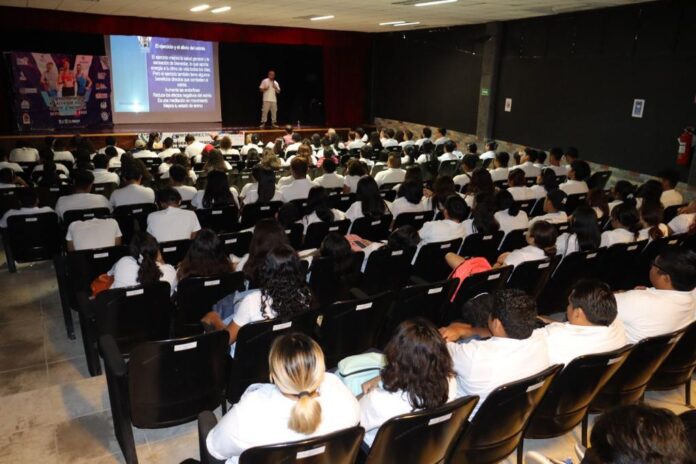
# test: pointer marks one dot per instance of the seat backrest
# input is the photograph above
(340, 447)
(84, 215)
(387, 269)
(598, 180)
(620, 264)
(86, 265)
(425, 436)
(425, 300)
(351, 327)
(567, 400)
(48, 196)
(448, 168)
(253, 213)
(104, 189)
(499, 424)
(573, 201)
(413, 219)
(294, 233)
(171, 381)
(133, 218)
(671, 212)
(682, 359)
(526, 205)
(514, 240)
(33, 237)
(317, 231)
(8, 200)
(430, 261)
(133, 315)
(195, 296)
(342, 201)
(329, 286)
(219, 218)
(531, 276)
(236, 243)
(537, 208)
(173, 252)
(372, 229)
(482, 245)
(482, 282)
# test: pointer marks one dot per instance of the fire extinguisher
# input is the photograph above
(686, 141)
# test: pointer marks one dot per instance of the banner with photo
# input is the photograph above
(54, 91)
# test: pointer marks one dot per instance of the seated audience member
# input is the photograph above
(369, 202)
(408, 139)
(483, 219)
(442, 189)
(28, 205)
(101, 173)
(577, 178)
(319, 208)
(388, 139)
(517, 186)
(541, 239)
(112, 157)
(226, 146)
(490, 153)
(649, 192)
(546, 182)
(555, 156)
(178, 159)
(302, 401)
(684, 222)
(93, 234)
(110, 142)
(668, 305)
(168, 149)
(468, 167)
(282, 293)
(132, 193)
(620, 192)
(428, 155)
(330, 180)
(528, 163)
(451, 227)
(591, 325)
(651, 215)
(571, 155)
(597, 200)
(177, 181)
(295, 144)
(513, 351)
(426, 135)
(299, 188)
(60, 153)
(670, 197)
(626, 223)
(355, 142)
(418, 374)
(336, 247)
(268, 233)
(24, 153)
(554, 205)
(193, 146)
(143, 266)
(264, 191)
(540, 159)
(47, 160)
(205, 257)
(217, 192)
(583, 232)
(509, 215)
(500, 166)
(448, 155)
(639, 434)
(410, 199)
(403, 238)
(171, 223)
(140, 150)
(4, 163)
(441, 136)
(254, 141)
(393, 174)
(82, 198)
(8, 179)
(481, 182)
(214, 161)
(49, 176)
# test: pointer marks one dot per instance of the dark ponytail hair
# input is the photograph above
(549, 179)
(371, 202)
(505, 201)
(483, 214)
(652, 214)
(144, 249)
(545, 235)
(318, 202)
(266, 184)
(624, 190)
(583, 223)
(627, 215)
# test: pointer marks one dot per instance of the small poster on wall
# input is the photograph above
(508, 105)
(638, 106)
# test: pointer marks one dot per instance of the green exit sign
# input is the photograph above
(485, 92)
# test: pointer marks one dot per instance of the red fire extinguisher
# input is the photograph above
(686, 141)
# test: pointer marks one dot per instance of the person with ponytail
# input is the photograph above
(418, 374)
(517, 186)
(623, 190)
(541, 239)
(482, 216)
(143, 265)
(369, 203)
(319, 209)
(302, 401)
(509, 215)
(583, 234)
(685, 221)
(651, 215)
(554, 207)
(626, 223)
(546, 182)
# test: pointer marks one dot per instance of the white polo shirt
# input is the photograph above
(119, 150)
(509, 223)
(644, 234)
(125, 273)
(390, 176)
(612, 237)
(93, 233)
(195, 148)
(79, 201)
(197, 200)
(566, 341)
(573, 187)
(14, 166)
(651, 312)
(313, 218)
(486, 155)
(103, 176)
(558, 170)
(145, 154)
(298, 189)
(521, 193)
(269, 95)
(23, 212)
(442, 231)
(293, 147)
(402, 205)
(528, 253)
(24, 155)
(447, 156)
(172, 224)
(671, 198)
(169, 152)
(566, 244)
(499, 174)
(132, 194)
(462, 179)
(355, 210)
(681, 223)
(330, 180)
(186, 191)
(252, 195)
(484, 365)
(539, 191)
(352, 182)
(63, 155)
(530, 170)
(558, 217)
(59, 167)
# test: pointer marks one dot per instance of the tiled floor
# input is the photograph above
(52, 412)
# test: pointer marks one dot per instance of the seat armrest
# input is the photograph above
(85, 305)
(206, 422)
(113, 361)
(359, 294)
(418, 280)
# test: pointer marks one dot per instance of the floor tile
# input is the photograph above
(34, 445)
(25, 410)
(22, 380)
(172, 450)
(66, 371)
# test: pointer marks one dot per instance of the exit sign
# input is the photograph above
(485, 92)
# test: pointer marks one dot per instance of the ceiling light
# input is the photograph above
(392, 23)
(221, 9)
(435, 2)
(321, 18)
(407, 24)
(198, 8)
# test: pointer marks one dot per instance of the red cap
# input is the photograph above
(208, 148)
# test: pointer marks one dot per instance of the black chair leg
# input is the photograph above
(59, 264)
(687, 393)
(9, 256)
(91, 350)
(585, 421)
(520, 451)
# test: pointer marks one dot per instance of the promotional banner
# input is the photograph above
(54, 91)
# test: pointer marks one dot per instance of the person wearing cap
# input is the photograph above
(491, 145)
(200, 158)
(193, 146)
(141, 151)
(554, 207)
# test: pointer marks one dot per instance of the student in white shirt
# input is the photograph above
(415, 348)
(441, 136)
(28, 205)
(451, 227)
(319, 209)
(389, 140)
(82, 198)
(217, 192)
(143, 266)
(651, 214)
(205, 257)
(302, 401)
(468, 166)
(168, 149)
(509, 216)
(482, 220)
(517, 186)
(110, 141)
(490, 154)
(626, 223)
(500, 169)
(541, 239)
(555, 156)
(577, 178)
(253, 144)
(101, 173)
(92, 234)
(682, 223)
(300, 186)
(4, 163)
(583, 233)
(393, 174)
(426, 134)
(409, 199)
(546, 182)
(330, 179)
(527, 163)
(670, 197)
(355, 170)
(60, 153)
(408, 139)
(448, 154)
(8, 179)
(553, 207)
(355, 141)
(667, 306)
(141, 151)
(621, 191)
(513, 351)
(132, 193)
(193, 146)
(178, 177)
(23, 153)
(171, 223)
(46, 158)
(369, 202)
(264, 189)
(296, 142)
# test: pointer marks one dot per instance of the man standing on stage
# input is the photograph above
(269, 88)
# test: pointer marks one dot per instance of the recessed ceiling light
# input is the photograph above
(321, 18)
(221, 9)
(407, 24)
(435, 2)
(198, 8)
(392, 23)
